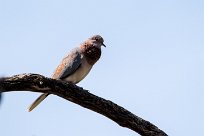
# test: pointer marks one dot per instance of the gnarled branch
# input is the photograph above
(78, 95)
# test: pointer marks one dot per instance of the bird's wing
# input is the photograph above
(69, 64)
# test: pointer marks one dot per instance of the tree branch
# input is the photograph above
(78, 95)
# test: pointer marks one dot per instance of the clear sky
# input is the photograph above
(153, 64)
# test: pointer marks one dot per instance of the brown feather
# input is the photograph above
(92, 53)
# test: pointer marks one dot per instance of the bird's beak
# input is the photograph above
(104, 45)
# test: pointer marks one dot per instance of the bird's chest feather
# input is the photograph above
(92, 54)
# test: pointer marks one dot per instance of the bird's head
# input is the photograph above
(97, 41)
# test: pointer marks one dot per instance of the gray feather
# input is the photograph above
(72, 62)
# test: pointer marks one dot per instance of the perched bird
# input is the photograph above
(76, 64)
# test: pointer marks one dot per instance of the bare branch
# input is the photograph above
(78, 95)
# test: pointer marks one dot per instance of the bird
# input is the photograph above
(75, 66)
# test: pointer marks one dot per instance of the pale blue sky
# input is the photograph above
(153, 64)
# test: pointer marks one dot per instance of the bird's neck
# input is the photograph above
(92, 53)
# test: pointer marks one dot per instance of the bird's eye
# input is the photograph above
(96, 39)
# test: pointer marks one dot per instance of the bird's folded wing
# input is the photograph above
(69, 64)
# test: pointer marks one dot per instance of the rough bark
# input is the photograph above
(82, 97)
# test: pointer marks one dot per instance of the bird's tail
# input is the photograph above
(37, 101)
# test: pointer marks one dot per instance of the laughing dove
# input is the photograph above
(76, 64)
